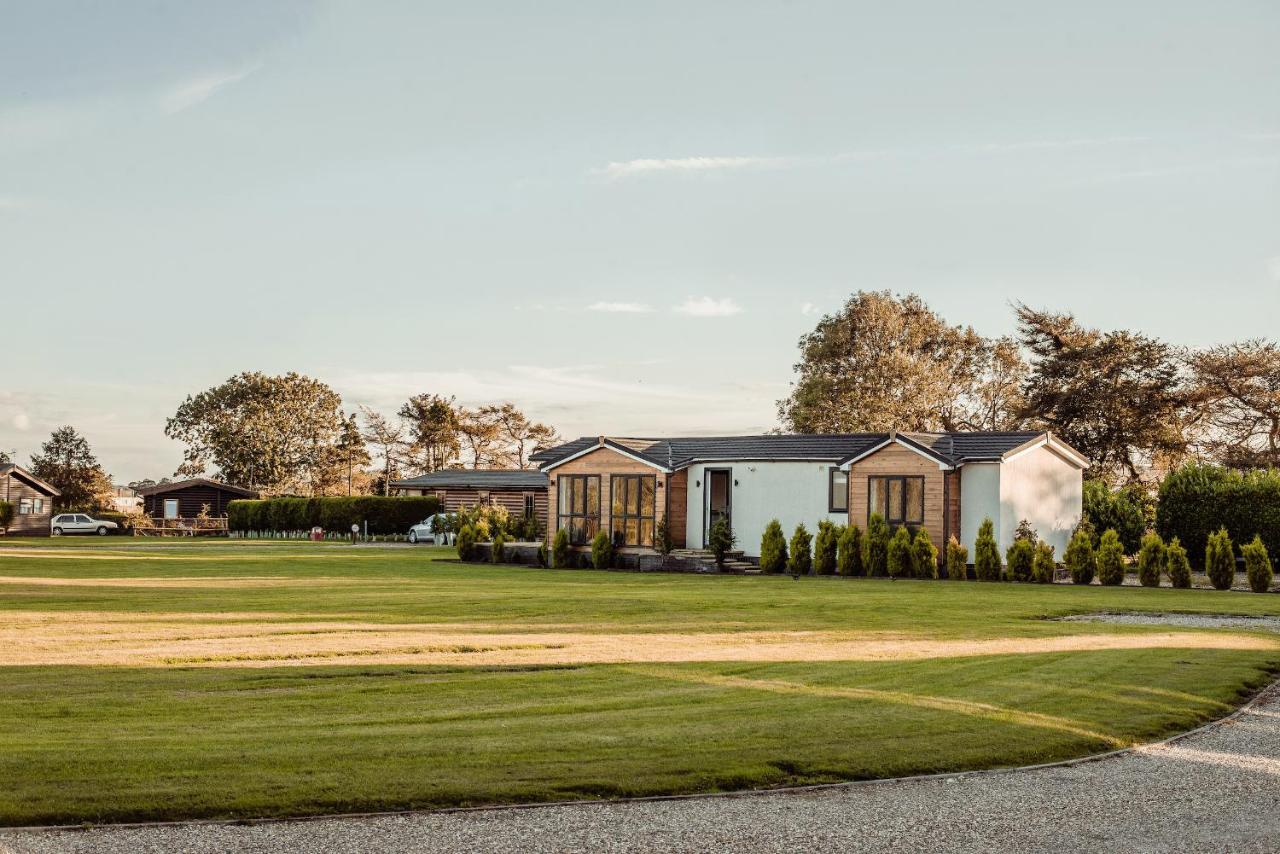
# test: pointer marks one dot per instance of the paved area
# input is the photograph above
(1215, 790)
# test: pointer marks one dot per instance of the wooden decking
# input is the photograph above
(182, 527)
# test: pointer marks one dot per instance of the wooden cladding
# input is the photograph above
(608, 465)
(897, 464)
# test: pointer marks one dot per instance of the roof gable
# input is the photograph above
(157, 488)
(19, 472)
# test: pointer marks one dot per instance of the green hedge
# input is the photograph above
(1196, 500)
(385, 515)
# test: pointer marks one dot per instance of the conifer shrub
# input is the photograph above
(901, 564)
(1177, 565)
(773, 548)
(466, 542)
(986, 554)
(542, 554)
(1044, 566)
(824, 548)
(1257, 565)
(875, 547)
(924, 555)
(800, 561)
(498, 549)
(1020, 558)
(1079, 557)
(6, 515)
(1151, 560)
(849, 551)
(662, 540)
(1220, 560)
(720, 539)
(560, 552)
(1110, 559)
(602, 551)
(957, 560)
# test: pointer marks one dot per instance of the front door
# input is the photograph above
(719, 498)
(171, 508)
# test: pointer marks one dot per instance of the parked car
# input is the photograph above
(81, 523)
(425, 531)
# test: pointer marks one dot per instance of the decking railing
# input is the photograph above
(197, 526)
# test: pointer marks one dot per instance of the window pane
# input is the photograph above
(633, 531)
(915, 500)
(647, 486)
(875, 496)
(895, 500)
(633, 495)
(646, 532)
(593, 495)
(839, 490)
(619, 486)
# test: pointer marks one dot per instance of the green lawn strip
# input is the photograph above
(86, 744)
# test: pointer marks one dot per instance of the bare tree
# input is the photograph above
(387, 438)
(520, 436)
(1236, 396)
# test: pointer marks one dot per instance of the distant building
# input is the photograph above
(125, 499)
(31, 497)
(186, 498)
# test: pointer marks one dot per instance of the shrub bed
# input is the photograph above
(1197, 500)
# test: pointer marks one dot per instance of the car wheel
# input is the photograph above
(413, 537)
(57, 532)
(102, 530)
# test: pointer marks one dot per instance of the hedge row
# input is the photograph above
(1197, 500)
(385, 515)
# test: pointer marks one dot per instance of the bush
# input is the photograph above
(1021, 558)
(1257, 565)
(957, 560)
(498, 549)
(1196, 500)
(773, 548)
(662, 540)
(924, 555)
(602, 551)
(542, 554)
(986, 554)
(6, 515)
(1044, 566)
(1080, 559)
(1177, 565)
(384, 514)
(849, 551)
(466, 541)
(875, 547)
(1220, 560)
(824, 549)
(799, 563)
(560, 552)
(1110, 559)
(901, 564)
(1151, 560)
(720, 539)
(1128, 511)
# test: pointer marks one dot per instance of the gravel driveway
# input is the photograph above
(1217, 789)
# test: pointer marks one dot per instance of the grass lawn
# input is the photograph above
(144, 679)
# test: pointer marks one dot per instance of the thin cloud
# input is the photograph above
(196, 90)
(625, 168)
(1273, 267)
(808, 309)
(621, 307)
(708, 307)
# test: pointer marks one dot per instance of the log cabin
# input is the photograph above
(185, 499)
(521, 492)
(32, 500)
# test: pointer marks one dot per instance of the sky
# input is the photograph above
(619, 216)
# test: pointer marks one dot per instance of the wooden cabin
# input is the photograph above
(32, 501)
(521, 492)
(185, 499)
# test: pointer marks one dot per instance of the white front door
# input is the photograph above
(171, 508)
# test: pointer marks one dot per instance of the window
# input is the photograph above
(837, 491)
(485, 500)
(24, 507)
(530, 505)
(37, 505)
(900, 500)
(171, 508)
(578, 506)
(632, 504)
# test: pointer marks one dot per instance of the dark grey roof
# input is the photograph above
(477, 479)
(158, 488)
(674, 453)
(7, 469)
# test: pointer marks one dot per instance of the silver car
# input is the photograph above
(425, 531)
(81, 523)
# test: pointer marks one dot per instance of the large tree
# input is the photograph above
(520, 436)
(271, 434)
(889, 362)
(481, 436)
(67, 462)
(1236, 395)
(342, 470)
(433, 431)
(1118, 397)
(386, 435)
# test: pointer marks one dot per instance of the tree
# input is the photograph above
(1110, 559)
(1177, 564)
(387, 437)
(1152, 558)
(602, 551)
(520, 436)
(1257, 565)
(1220, 560)
(900, 561)
(1236, 394)
(824, 548)
(351, 450)
(480, 434)
(67, 462)
(1079, 557)
(875, 547)
(957, 560)
(1044, 566)
(924, 555)
(986, 554)
(560, 552)
(800, 561)
(721, 539)
(849, 552)
(1020, 558)
(884, 362)
(1117, 397)
(271, 434)
(1129, 510)
(773, 548)
(433, 431)
(6, 516)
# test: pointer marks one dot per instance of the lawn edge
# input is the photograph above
(1253, 699)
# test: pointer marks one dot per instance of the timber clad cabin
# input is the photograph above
(32, 500)
(521, 492)
(186, 498)
(946, 482)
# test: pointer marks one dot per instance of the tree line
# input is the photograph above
(1134, 405)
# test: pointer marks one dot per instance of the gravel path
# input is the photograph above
(1217, 789)
(1196, 621)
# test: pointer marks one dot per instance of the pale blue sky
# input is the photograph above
(447, 197)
